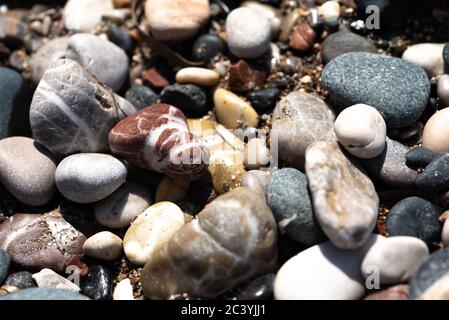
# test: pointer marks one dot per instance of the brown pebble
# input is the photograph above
(153, 78)
(244, 77)
(443, 217)
(302, 37)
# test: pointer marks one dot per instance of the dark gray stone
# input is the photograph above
(288, 197)
(207, 46)
(435, 267)
(98, 284)
(419, 157)
(446, 57)
(263, 100)
(343, 42)
(141, 96)
(44, 294)
(398, 89)
(121, 38)
(190, 98)
(5, 261)
(415, 217)
(436, 175)
(392, 12)
(259, 289)
(21, 280)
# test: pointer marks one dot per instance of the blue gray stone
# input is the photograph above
(141, 96)
(207, 46)
(5, 261)
(436, 174)
(121, 38)
(98, 284)
(21, 280)
(419, 157)
(446, 57)
(44, 294)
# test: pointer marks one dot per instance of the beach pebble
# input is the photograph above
(121, 207)
(256, 154)
(256, 180)
(232, 111)
(395, 260)
(446, 58)
(432, 270)
(27, 170)
(269, 12)
(98, 283)
(398, 89)
(390, 166)
(103, 245)
(435, 135)
(300, 119)
(263, 100)
(323, 272)
(151, 229)
(234, 238)
(428, 56)
(397, 292)
(329, 11)
(172, 190)
(158, 138)
(259, 289)
(439, 290)
(443, 89)
(244, 76)
(190, 98)
(89, 177)
(41, 240)
(84, 15)
(419, 157)
(415, 217)
(86, 118)
(436, 174)
(339, 43)
(199, 76)
(5, 261)
(49, 294)
(445, 233)
(288, 197)
(141, 96)
(13, 26)
(121, 38)
(248, 33)
(207, 46)
(123, 290)
(344, 199)
(21, 280)
(176, 20)
(361, 130)
(302, 37)
(47, 278)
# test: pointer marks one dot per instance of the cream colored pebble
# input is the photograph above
(199, 76)
(123, 290)
(232, 111)
(436, 132)
(172, 190)
(103, 245)
(256, 154)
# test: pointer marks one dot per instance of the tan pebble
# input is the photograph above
(103, 245)
(232, 111)
(330, 11)
(443, 89)
(226, 171)
(199, 76)
(172, 190)
(256, 180)
(256, 154)
(123, 290)
(428, 56)
(287, 25)
(150, 230)
(436, 132)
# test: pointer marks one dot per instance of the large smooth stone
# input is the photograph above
(398, 89)
(436, 175)
(89, 177)
(232, 241)
(256, 180)
(428, 56)
(27, 170)
(84, 15)
(288, 197)
(300, 119)
(323, 272)
(72, 112)
(395, 260)
(345, 201)
(45, 294)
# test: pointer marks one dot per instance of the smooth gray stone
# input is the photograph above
(5, 261)
(44, 294)
(343, 42)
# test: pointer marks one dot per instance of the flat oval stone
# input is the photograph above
(89, 177)
(151, 229)
(390, 166)
(86, 118)
(398, 89)
(5, 261)
(419, 157)
(98, 283)
(207, 46)
(121, 207)
(256, 180)
(435, 135)
(396, 259)
(21, 280)
(323, 272)
(361, 130)
(232, 240)
(344, 199)
(300, 119)
(259, 289)
(342, 42)
(232, 111)
(176, 20)
(415, 217)
(288, 197)
(84, 15)
(44, 294)
(198, 76)
(27, 170)
(248, 33)
(103, 245)
(190, 98)
(436, 175)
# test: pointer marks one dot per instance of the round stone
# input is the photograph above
(21, 280)
(121, 38)
(435, 135)
(259, 289)
(394, 260)
(103, 245)
(121, 207)
(84, 15)
(428, 56)
(151, 229)
(198, 76)
(419, 157)
(361, 130)
(5, 261)
(329, 11)
(248, 33)
(269, 12)
(415, 217)
(44, 294)
(98, 283)
(436, 175)
(89, 177)
(190, 98)
(256, 154)
(398, 89)
(141, 96)
(27, 170)
(232, 111)
(342, 42)
(207, 46)
(288, 197)
(263, 100)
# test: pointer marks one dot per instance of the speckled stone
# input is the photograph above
(44, 294)
(419, 157)
(436, 175)
(21, 280)
(415, 217)
(5, 261)
(390, 166)
(398, 89)
(342, 42)
(288, 197)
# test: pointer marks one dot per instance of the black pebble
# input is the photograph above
(206, 47)
(187, 97)
(98, 284)
(141, 96)
(121, 38)
(419, 157)
(5, 262)
(436, 174)
(263, 100)
(415, 217)
(392, 13)
(259, 289)
(446, 57)
(21, 280)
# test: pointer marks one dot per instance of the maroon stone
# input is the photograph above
(153, 78)
(244, 77)
(302, 37)
(398, 292)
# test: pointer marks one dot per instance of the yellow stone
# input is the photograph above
(172, 190)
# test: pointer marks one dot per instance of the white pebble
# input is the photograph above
(428, 56)
(103, 245)
(256, 154)
(123, 290)
(330, 12)
(47, 278)
(84, 15)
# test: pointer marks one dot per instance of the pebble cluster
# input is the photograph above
(220, 149)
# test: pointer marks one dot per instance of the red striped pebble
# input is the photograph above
(158, 138)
